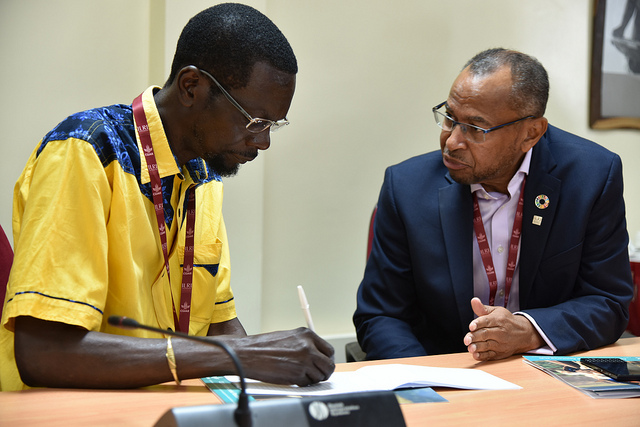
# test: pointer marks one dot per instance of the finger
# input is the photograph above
(479, 335)
(326, 365)
(308, 379)
(482, 350)
(468, 339)
(320, 344)
(320, 374)
(322, 359)
(478, 308)
(328, 371)
(324, 347)
(484, 346)
(484, 355)
(320, 371)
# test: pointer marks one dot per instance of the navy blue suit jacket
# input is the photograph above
(575, 278)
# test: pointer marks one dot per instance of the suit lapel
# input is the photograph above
(537, 220)
(456, 216)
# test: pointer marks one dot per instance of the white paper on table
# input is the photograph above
(385, 377)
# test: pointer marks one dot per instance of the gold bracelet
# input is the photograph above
(171, 358)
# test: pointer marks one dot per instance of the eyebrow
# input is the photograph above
(480, 120)
(469, 120)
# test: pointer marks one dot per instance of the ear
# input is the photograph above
(535, 129)
(189, 84)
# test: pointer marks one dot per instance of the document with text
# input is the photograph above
(385, 377)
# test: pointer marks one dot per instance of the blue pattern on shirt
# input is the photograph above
(111, 132)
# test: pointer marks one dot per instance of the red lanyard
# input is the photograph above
(187, 267)
(485, 251)
(181, 323)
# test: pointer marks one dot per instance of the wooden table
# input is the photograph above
(542, 401)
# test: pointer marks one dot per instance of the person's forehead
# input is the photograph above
(264, 76)
(480, 96)
(267, 88)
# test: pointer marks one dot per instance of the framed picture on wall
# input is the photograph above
(615, 65)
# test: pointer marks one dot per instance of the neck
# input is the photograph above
(171, 117)
(502, 185)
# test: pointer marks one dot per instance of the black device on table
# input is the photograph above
(616, 368)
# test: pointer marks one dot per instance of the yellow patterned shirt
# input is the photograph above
(86, 236)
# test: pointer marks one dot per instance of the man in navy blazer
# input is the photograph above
(427, 287)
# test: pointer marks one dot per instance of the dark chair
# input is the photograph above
(6, 259)
(634, 308)
(370, 240)
(353, 350)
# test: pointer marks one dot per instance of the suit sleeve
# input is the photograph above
(596, 313)
(386, 296)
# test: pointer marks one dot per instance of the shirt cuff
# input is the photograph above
(546, 350)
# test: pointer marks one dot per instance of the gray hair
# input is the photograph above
(530, 82)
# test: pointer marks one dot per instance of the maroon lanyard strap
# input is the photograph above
(187, 269)
(485, 251)
(142, 127)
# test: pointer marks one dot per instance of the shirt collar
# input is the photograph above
(167, 163)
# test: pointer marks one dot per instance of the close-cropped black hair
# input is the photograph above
(227, 40)
(530, 82)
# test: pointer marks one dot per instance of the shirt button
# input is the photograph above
(501, 293)
(500, 249)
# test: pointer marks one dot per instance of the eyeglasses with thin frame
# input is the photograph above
(472, 133)
(255, 125)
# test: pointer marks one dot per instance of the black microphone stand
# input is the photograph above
(242, 414)
(350, 409)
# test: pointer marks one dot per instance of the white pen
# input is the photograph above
(305, 308)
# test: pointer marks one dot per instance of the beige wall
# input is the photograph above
(370, 71)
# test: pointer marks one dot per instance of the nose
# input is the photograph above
(454, 139)
(261, 141)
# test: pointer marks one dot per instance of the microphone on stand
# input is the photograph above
(361, 409)
(242, 414)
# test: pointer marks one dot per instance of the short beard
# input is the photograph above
(217, 163)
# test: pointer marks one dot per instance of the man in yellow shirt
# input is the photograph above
(119, 212)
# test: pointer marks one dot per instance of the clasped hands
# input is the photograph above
(497, 333)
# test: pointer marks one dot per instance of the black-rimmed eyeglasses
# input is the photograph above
(255, 125)
(472, 133)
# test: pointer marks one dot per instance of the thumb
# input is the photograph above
(480, 309)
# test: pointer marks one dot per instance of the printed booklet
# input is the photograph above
(569, 370)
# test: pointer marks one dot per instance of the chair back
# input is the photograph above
(6, 260)
(370, 240)
(353, 350)
(634, 307)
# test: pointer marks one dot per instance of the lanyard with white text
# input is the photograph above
(181, 323)
(485, 251)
